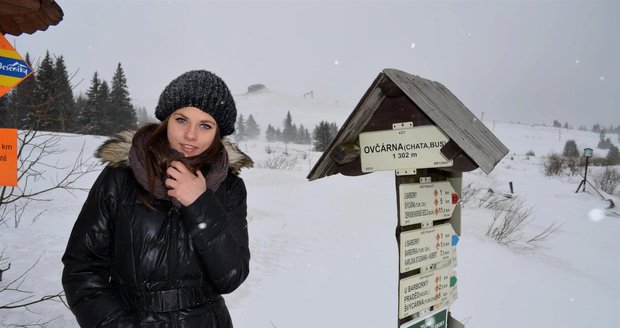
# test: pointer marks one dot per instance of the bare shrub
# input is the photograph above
(545, 234)
(553, 165)
(607, 180)
(281, 161)
(509, 220)
(573, 164)
(468, 193)
(530, 153)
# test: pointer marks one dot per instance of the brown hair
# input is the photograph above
(158, 154)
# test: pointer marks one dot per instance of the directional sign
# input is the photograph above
(13, 69)
(409, 148)
(8, 157)
(421, 202)
(427, 247)
(438, 319)
(422, 291)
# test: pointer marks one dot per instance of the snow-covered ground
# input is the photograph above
(324, 253)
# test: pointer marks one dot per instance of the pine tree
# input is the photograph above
(241, 132)
(142, 116)
(105, 113)
(570, 149)
(45, 115)
(613, 157)
(63, 103)
(323, 135)
(120, 102)
(270, 134)
(6, 121)
(253, 130)
(21, 104)
(289, 132)
(88, 111)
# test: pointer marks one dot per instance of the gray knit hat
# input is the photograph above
(203, 90)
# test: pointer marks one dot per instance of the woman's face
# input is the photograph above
(191, 131)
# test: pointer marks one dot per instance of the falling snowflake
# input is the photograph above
(577, 61)
(602, 78)
(596, 215)
(413, 45)
(336, 62)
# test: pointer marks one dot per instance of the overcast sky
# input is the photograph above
(529, 61)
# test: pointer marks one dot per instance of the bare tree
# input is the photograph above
(38, 174)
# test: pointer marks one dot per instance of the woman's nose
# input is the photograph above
(190, 133)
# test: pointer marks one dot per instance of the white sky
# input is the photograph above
(529, 61)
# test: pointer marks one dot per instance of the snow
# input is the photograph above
(324, 253)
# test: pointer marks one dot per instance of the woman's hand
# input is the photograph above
(184, 185)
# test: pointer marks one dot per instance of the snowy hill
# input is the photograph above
(324, 252)
(270, 107)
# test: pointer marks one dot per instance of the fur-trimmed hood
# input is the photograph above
(115, 152)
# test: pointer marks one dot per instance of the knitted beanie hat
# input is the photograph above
(203, 90)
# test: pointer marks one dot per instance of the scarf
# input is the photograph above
(215, 172)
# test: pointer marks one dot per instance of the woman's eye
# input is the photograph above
(181, 120)
(205, 126)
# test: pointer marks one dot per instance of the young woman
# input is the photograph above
(163, 232)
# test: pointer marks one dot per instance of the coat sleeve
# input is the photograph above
(219, 231)
(87, 258)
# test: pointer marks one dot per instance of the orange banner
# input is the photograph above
(8, 157)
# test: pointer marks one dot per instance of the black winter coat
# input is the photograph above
(127, 265)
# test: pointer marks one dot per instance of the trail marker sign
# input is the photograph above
(8, 157)
(427, 247)
(13, 68)
(421, 202)
(438, 319)
(409, 148)
(426, 290)
(423, 132)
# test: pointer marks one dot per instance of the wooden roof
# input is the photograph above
(28, 16)
(395, 97)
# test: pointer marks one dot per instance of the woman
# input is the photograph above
(163, 232)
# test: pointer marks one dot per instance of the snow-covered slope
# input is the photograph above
(324, 252)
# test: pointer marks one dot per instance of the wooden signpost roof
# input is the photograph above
(395, 97)
(28, 16)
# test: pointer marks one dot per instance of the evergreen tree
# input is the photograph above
(5, 118)
(45, 115)
(278, 134)
(570, 149)
(63, 103)
(613, 157)
(105, 113)
(241, 132)
(289, 132)
(88, 112)
(21, 101)
(253, 130)
(303, 136)
(323, 135)
(566, 125)
(120, 102)
(270, 134)
(142, 116)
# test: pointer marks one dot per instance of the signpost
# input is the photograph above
(421, 202)
(423, 291)
(13, 68)
(8, 157)
(423, 132)
(425, 248)
(438, 319)
(407, 148)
